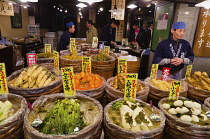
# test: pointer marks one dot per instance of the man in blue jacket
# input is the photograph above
(174, 52)
(65, 37)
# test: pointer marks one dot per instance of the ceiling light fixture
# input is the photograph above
(148, 4)
(81, 5)
(25, 5)
(101, 9)
(90, 1)
(61, 10)
(115, 10)
(66, 11)
(23, 0)
(205, 4)
(32, 0)
(131, 6)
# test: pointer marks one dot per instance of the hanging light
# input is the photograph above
(90, 1)
(61, 10)
(115, 10)
(101, 9)
(23, 0)
(25, 5)
(81, 5)
(205, 4)
(32, 0)
(66, 11)
(148, 4)
(54, 6)
(131, 6)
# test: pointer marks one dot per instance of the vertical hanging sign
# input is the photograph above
(122, 66)
(3, 80)
(86, 64)
(188, 71)
(31, 59)
(154, 69)
(130, 86)
(56, 62)
(47, 48)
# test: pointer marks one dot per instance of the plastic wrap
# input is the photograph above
(113, 94)
(113, 131)
(12, 127)
(92, 131)
(31, 91)
(96, 93)
(181, 129)
(207, 102)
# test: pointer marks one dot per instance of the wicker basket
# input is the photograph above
(76, 64)
(12, 127)
(177, 129)
(113, 94)
(46, 62)
(92, 131)
(207, 102)
(113, 131)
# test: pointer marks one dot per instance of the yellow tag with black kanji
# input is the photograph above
(47, 48)
(73, 48)
(188, 71)
(72, 42)
(68, 81)
(86, 64)
(56, 62)
(95, 42)
(3, 80)
(107, 50)
(153, 74)
(174, 90)
(130, 86)
(122, 66)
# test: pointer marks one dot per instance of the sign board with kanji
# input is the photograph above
(122, 66)
(47, 48)
(56, 62)
(73, 48)
(174, 90)
(72, 42)
(130, 86)
(68, 81)
(188, 71)
(31, 59)
(6, 9)
(153, 74)
(3, 80)
(165, 73)
(107, 50)
(95, 42)
(86, 64)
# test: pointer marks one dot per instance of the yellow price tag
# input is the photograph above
(68, 81)
(3, 80)
(56, 62)
(86, 64)
(122, 66)
(154, 70)
(174, 90)
(130, 86)
(72, 42)
(188, 71)
(95, 42)
(107, 50)
(73, 48)
(47, 48)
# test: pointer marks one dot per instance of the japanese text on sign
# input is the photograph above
(68, 81)
(6, 9)
(72, 42)
(188, 71)
(86, 64)
(47, 48)
(95, 42)
(3, 81)
(154, 69)
(174, 90)
(73, 48)
(56, 62)
(165, 73)
(31, 59)
(130, 86)
(122, 66)
(107, 50)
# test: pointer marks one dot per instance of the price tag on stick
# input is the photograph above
(95, 42)
(130, 87)
(188, 71)
(68, 81)
(3, 80)
(56, 62)
(47, 48)
(86, 64)
(122, 66)
(153, 74)
(165, 73)
(31, 59)
(174, 90)
(107, 50)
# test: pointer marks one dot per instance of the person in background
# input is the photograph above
(91, 31)
(109, 32)
(149, 31)
(174, 52)
(138, 36)
(65, 37)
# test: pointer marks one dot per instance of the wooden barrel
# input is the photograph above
(155, 94)
(178, 129)
(31, 94)
(113, 94)
(64, 52)
(207, 102)
(104, 68)
(92, 131)
(194, 92)
(76, 64)
(46, 62)
(113, 131)
(12, 127)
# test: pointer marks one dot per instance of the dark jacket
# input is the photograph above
(108, 33)
(141, 37)
(165, 50)
(64, 41)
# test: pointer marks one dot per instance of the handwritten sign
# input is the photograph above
(154, 69)
(68, 81)
(107, 50)
(122, 66)
(130, 86)
(6, 9)
(174, 90)
(56, 62)
(47, 48)
(72, 42)
(3, 80)
(124, 41)
(95, 42)
(165, 73)
(73, 48)
(31, 59)
(86, 64)
(188, 71)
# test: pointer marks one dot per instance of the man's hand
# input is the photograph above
(177, 61)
